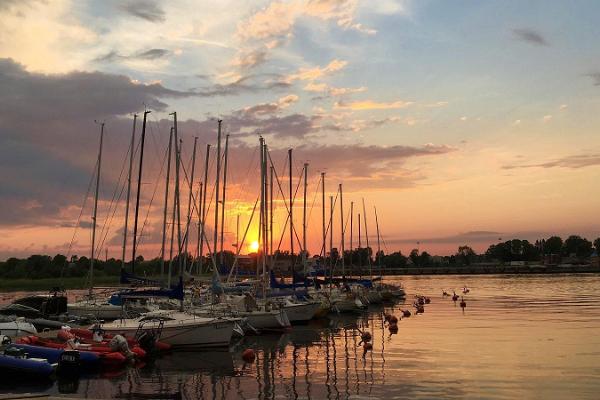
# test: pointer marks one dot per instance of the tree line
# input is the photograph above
(43, 266)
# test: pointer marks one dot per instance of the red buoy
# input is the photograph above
(393, 329)
(367, 347)
(393, 319)
(248, 356)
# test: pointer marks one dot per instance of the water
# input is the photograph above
(531, 337)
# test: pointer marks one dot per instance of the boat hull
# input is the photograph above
(181, 334)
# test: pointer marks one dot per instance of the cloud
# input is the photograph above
(245, 84)
(83, 94)
(272, 108)
(372, 105)
(250, 58)
(148, 10)
(151, 54)
(595, 77)
(530, 36)
(310, 74)
(574, 162)
(332, 91)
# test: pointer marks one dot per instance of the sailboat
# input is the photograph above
(90, 305)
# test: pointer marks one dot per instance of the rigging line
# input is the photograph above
(85, 199)
(314, 200)
(283, 196)
(158, 178)
(104, 230)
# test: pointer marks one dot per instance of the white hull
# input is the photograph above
(267, 320)
(183, 330)
(347, 305)
(17, 328)
(98, 310)
(301, 312)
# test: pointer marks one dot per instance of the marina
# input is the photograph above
(516, 334)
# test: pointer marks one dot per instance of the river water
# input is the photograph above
(527, 337)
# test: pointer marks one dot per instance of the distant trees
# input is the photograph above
(465, 255)
(577, 245)
(597, 245)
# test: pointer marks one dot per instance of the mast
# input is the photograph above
(177, 194)
(352, 234)
(224, 188)
(172, 232)
(189, 210)
(378, 244)
(131, 154)
(304, 250)
(291, 215)
(201, 230)
(271, 215)
(164, 229)
(323, 206)
(262, 213)
(217, 191)
(96, 208)
(342, 221)
(139, 186)
(367, 238)
(331, 234)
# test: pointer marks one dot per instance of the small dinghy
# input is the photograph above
(16, 362)
(16, 327)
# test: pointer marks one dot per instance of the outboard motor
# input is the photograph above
(146, 341)
(69, 363)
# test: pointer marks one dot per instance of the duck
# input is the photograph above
(466, 290)
(445, 294)
(454, 297)
(463, 303)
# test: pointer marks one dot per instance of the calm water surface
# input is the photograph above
(529, 337)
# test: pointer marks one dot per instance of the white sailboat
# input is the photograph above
(178, 329)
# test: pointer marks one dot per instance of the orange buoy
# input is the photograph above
(366, 337)
(248, 356)
(406, 313)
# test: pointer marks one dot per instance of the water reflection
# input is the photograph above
(517, 337)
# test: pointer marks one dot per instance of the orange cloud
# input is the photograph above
(372, 105)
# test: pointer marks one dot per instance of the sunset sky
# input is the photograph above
(462, 121)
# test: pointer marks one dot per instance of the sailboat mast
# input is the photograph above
(164, 228)
(177, 192)
(224, 190)
(262, 213)
(304, 250)
(378, 244)
(367, 238)
(323, 213)
(342, 221)
(131, 154)
(139, 186)
(291, 213)
(217, 191)
(189, 210)
(172, 230)
(331, 234)
(352, 233)
(96, 208)
(201, 230)
(272, 171)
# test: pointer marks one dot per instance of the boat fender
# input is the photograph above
(5, 340)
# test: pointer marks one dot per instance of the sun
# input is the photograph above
(253, 246)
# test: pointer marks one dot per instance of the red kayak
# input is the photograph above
(88, 334)
(107, 356)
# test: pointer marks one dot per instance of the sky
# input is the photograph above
(463, 122)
